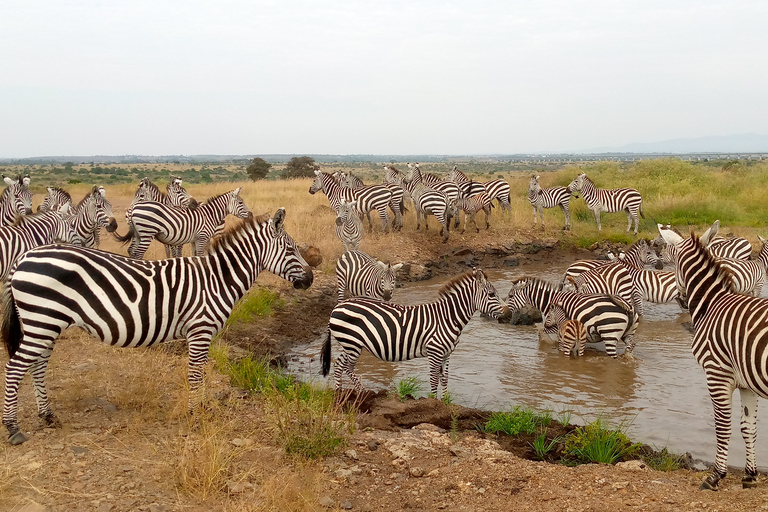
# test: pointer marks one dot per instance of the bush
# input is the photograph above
(595, 443)
(408, 387)
(519, 420)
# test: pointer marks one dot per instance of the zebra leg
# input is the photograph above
(14, 373)
(721, 394)
(629, 221)
(370, 224)
(168, 251)
(567, 214)
(749, 433)
(346, 364)
(198, 345)
(44, 411)
(474, 222)
(597, 218)
(487, 217)
(444, 375)
(139, 247)
(384, 214)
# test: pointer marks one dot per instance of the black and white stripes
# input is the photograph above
(550, 197)
(609, 200)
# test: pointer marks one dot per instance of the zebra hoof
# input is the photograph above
(710, 484)
(51, 420)
(17, 438)
(749, 482)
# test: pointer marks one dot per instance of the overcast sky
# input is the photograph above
(157, 77)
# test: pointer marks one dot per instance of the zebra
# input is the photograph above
(611, 279)
(730, 342)
(429, 202)
(349, 225)
(396, 204)
(470, 188)
(654, 286)
(30, 231)
(351, 181)
(55, 198)
(471, 206)
(571, 334)
(638, 254)
(449, 188)
(363, 276)
(609, 200)
(370, 197)
(734, 248)
(605, 317)
(16, 199)
(91, 214)
(393, 332)
(135, 303)
(177, 226)
(499, 190)
(541, 198)
(747, 276)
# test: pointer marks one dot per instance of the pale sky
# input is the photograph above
(113, 77)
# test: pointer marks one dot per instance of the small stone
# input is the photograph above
(126, 468)
(511, 262)
(356, 470)
(352, 454)
(346, 505)
(342, 473)
(104, 507)
(373, 445)
(238, 442)
(417, 471)
(56, 446)
(78, 450)
(635, 465)
(428, 427)
(432, 473)
(619, 485)
(326, 502)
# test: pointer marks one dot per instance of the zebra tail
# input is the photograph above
(325, 355)
(10, 330)
(127, 238)
(641, 211)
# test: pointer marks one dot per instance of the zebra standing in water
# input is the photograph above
(363, 276)
(609, 200)
(730, 342)
(748, 276)
(571, 334)
(179, 226)
(393, 332)
(16, 200)
(134, 303)
(606, 317)
(349, 225)
(541, 198)
(639, 254)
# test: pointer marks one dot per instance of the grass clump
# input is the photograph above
(663, 460)
(408, 387)
(518, 420)
(596, 443)
(259, 302)
(542, 446)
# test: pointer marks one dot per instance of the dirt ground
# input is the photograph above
(127, 443)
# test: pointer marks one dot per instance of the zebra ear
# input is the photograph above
(397, 267)
(103, 192)
(381, 265)
(26, 180)
(669, 235)
(237, 191)
(64, 209)
(763, 240)
(9, 181)
(710, 234)
(317, 172)
(278, 220)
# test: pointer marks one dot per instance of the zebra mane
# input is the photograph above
(723, 274)
(552, 285)
(23, 220)
(84, 199)
(213, 198)
(252, 221)
(636, 243)
(63, 192)
(451, 285)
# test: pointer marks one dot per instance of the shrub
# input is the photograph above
(519, 420)
(663, 460)
(408, 387)
(595, 443)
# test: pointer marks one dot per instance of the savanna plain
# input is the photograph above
(266, 441)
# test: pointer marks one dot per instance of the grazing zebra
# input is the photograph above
(132, 303)
(91, 214)
(571, 334)
(639, 254)
(611, 279)
(54, 199)
(541, 198)
(748, 276)
(30, 231)
(349, 225)
(609, 200)
(730, 342)
(363, 276)
(393, 332)
(369, 197)
(606, 318)
(16, 200)
(470, 206)
(178, 226)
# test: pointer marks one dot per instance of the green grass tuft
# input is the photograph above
(519, 420)
(259, 302)
(408, 387)
(596, 443)
(663, 460)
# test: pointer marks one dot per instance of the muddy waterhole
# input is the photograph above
(661, 394)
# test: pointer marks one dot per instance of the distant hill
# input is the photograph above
(739, 143)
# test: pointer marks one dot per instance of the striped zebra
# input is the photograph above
(730, 342)
(471, 206)
(550, 197)
(638, 254)
(349, 225)
(429, 202)
(654, 286)
(360, 275)
(55, 198)
(734, 248)
(497, 189)
(396, 204)
(606, 318)
(369, 197)
(134, 303)
(30, 231)
(609, 200)
(611, 279)
(16, 200)
(571, 334)
(178, 226)
(351, 181)
(91, 214)
(748, 276)
(393, 332)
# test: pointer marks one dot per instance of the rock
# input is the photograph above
(417, 472)
(352, 454)
(511, 262)
(550, 243)
(634, 465)
(326, 502)
(356, 470)
(373, 445)
(342, 473)
(617, 486)
(462, 251)
(346, 505)
(428, 427)
(526, 315)
(494, 251)
(78, 450)
(594, 246)
(311, 255)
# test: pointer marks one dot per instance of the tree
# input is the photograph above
(300, 167)
(258, 169)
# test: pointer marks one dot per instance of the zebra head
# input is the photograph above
(100, 210)
(281, 255)
(487, 301)
(54, 199)
(63, 230)
(577, 184)
(346, 211)
(386, 282)
(235, 204)
(317, 184)
(526, 291)
(178, 195)
(20, 196)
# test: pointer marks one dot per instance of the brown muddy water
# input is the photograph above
(660, 396)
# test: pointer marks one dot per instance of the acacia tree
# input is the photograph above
(300, 167)
(258, 169)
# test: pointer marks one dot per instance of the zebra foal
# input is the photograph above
(471, 206)
(393, 332)
(134, 303)
(349, 225)
(571, 334)
(363, 276)
(730, 342)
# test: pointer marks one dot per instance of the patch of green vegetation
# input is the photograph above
(518, 420)
(663, 460)
(596, 443)
(542, 446)
(258, 302)
(447, 397)
(408, 387)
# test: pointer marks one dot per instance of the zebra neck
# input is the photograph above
(456, 308)
(235, 267)
(216, 211)
(589, 191)
(703, 286)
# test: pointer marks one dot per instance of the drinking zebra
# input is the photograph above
(730, 342)
(609, 200)
(571, 334)
(639, 254)
(16, 200)
(178, 226)
(606, 318)
(393, 332)
(30, 231)
(349, 225)
(363, 276)
(133, 303)
(550, 197)
(369, 197)
(471, 206)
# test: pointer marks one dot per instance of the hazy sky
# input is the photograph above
(390, 77)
